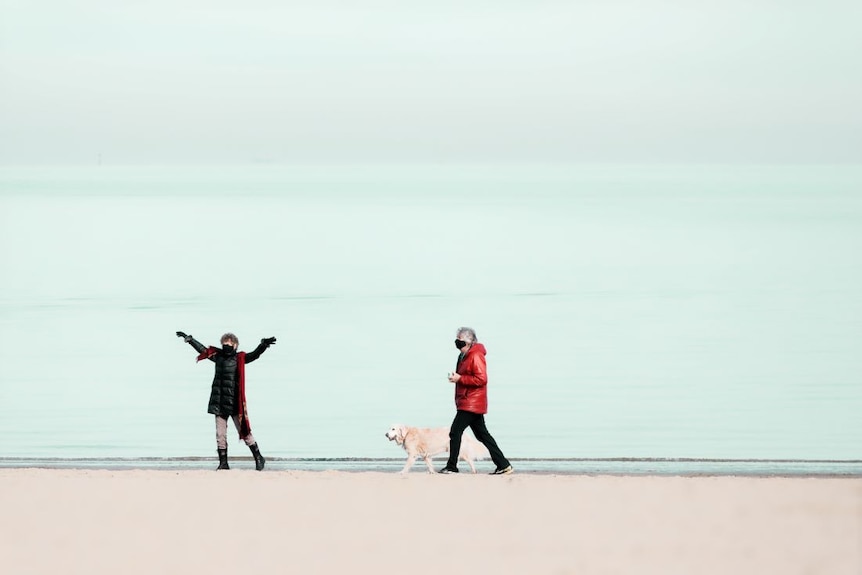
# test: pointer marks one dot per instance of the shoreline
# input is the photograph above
(662, 467)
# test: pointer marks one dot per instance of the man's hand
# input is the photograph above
(182, 334)
(268, 341)
(454, 377)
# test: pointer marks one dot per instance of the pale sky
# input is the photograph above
(392, 81)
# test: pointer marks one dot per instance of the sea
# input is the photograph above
(638, 319)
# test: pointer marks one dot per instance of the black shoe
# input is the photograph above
(448, 470)
(222, 459)
(502, 471)
(259, 460)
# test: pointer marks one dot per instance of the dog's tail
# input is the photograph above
(475, 449)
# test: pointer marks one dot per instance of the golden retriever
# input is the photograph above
(430, 441)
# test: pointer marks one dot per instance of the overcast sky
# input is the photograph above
(212, 81)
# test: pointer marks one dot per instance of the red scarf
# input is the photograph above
(244, 423)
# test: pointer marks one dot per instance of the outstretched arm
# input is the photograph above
(199, 347)
(262, 346)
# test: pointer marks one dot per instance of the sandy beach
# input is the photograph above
(241, 521)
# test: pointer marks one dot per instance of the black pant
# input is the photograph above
(476, 422)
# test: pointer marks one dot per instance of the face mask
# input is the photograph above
(460, 344)
(227, 348)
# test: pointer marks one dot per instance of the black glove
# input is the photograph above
(268, 341)
(183, 335)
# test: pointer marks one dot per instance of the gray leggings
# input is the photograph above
(221, 431)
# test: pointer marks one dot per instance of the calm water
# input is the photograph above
(628, 311)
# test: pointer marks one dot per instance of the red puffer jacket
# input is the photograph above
(471, 391)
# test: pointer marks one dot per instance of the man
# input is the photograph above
(471, 401)
(227, 398)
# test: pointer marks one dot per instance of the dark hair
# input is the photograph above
(229, 337)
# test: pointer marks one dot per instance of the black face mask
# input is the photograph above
(460, 344)
(227, 348)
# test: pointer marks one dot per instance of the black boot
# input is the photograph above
(222, 459)
(259, 461)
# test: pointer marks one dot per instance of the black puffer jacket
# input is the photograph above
(223, 398)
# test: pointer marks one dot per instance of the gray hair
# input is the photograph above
(467, 331)
(230, 337)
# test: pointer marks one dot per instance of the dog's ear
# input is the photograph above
(401, 432)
